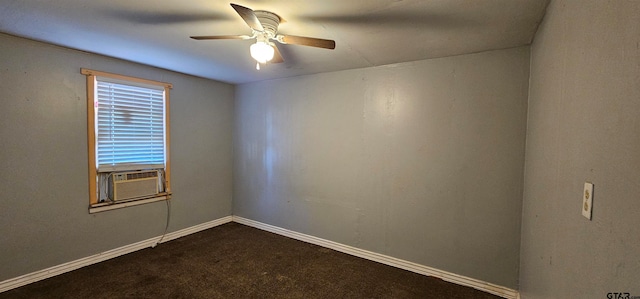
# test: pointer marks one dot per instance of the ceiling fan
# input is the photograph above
(264, 28)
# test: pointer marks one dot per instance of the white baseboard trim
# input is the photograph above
(196, 228)
(19, 281)
(387, 260)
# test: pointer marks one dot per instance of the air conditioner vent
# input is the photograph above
(137, 184)
(142, 175)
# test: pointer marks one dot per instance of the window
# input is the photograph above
(128, 137)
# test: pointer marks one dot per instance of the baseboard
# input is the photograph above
(387, 260)
(195, 228)
(96, 258)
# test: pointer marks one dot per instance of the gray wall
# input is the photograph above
(584, 124)
(44, 220)
(421, 161)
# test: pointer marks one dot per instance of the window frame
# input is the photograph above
(94, 204)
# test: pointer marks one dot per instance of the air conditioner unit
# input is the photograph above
(136, 184)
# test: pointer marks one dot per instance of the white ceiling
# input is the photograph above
(367, 32)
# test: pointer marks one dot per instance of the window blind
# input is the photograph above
(130, 127)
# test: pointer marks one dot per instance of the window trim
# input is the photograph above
(94, 205)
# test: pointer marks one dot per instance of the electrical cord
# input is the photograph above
(166, 226)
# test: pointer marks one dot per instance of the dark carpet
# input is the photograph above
(238, 261)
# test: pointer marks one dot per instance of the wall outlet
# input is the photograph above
(587, 200)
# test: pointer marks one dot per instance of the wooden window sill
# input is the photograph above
(107, 206)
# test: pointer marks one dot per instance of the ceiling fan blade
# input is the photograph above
(221, 37)
(248, 16)
(307, 41)
(277, 57)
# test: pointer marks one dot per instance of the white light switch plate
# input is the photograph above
(587, 200)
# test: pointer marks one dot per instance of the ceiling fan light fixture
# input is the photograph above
(264, 28)
(262, 51)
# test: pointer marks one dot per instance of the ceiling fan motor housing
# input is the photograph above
(269, 21)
